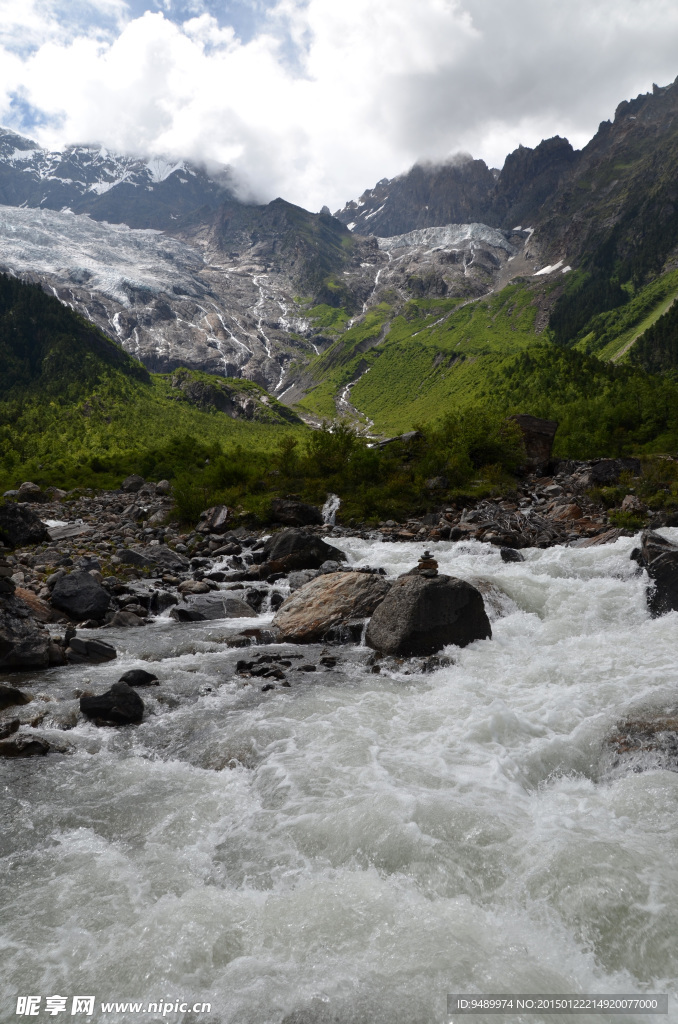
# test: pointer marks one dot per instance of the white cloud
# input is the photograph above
(372, 88)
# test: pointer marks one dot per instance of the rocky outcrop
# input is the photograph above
(19, 525)
(24, 643)
(421, 614)
(538, 436)
(120, 705)
(328, 601)
(80, 596)
(660, 558)
(295, 513)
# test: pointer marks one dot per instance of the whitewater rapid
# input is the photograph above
(355, 847)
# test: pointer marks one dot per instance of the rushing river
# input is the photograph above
(352, 848)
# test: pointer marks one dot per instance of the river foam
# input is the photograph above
(354, 848)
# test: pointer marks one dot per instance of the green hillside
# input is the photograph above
(75, 408)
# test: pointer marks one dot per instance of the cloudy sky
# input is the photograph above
(315, 100)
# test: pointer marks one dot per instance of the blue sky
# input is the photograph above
(316, 100)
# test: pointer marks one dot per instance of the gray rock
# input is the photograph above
(660, 557)
(93, 650)
(297, 579)
(24, 643)
(132, 484)
(330, 600)
(31, 492)
(420, 615)
(23, 746)
(125, 619)
(295, 513)
(291, 550)
(11, 697)
(121, 705)
(215, 520)
(200, 607)
(80, 596)
(163, 487)
(139, 677)
(511, 555)
(19, 526)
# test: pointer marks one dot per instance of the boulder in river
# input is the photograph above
(660, 557)
(121, 705)
(80, 596)
(295, 513)
(328, 601)
(203, 607)
(19, 526)
(421, 614)
(11, 697)
(291, 550)
(139, 677)
(24, 643)
(23, 746)
(80, 650)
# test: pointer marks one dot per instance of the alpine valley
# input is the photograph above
(546, 287)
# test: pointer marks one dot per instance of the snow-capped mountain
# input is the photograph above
(142, 193)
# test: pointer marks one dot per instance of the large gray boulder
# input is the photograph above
(421, 614)
(328, 601)
(160, 556)
(295, 513)
(660, 557)
(291, 550)
(24, 643)
(19, 525)
(80, 596)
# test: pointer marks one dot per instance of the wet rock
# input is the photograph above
(19, 525)
(606, 537)
(511, 555)
(23, 746)
(328, 601)
(90, 650)
(204, 607)
(120, 705)
(10, 697)
(132, 484)
(421, 615)
(252, 636)
(8, 728)
(139, 677)
(660, 558)
(24, 643)
(126, 620)
(291, 550)
(295, 513)
(275, 601)
(193, 587)
(215, 520)
(298, 579)
(80, 596)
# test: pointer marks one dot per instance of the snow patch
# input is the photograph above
(549, 270)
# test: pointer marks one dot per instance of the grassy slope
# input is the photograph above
(434, 355)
